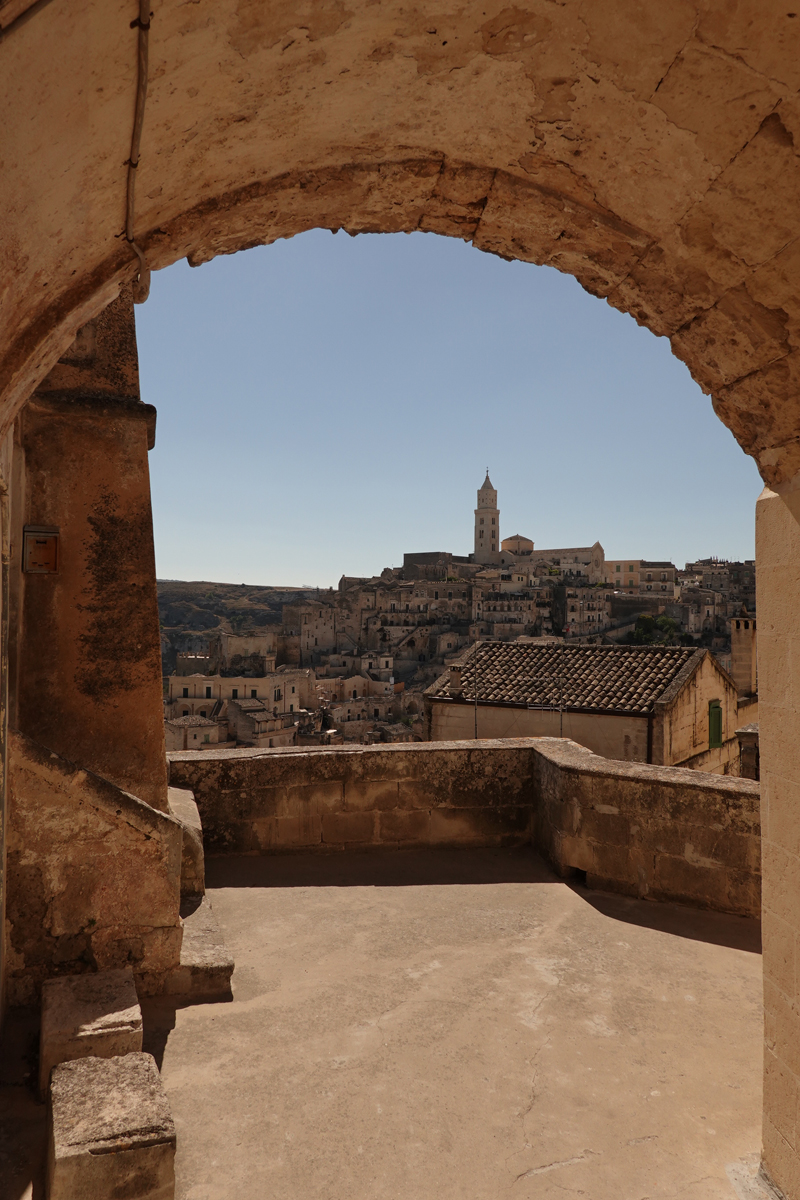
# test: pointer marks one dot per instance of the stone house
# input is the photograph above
(623, 573)
(315, 624)
(285, 690)
(581, 611)
(253, 723)
(574, 562)
(672, 706)
(658, 577)
(192, 733)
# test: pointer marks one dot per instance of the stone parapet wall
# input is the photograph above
(661, 832)
(664, 833)
(444, 794)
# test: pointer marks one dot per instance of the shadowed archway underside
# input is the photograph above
(649, 153)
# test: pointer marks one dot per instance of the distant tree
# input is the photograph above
(655, 631)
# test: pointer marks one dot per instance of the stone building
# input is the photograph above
(315, 625)
(623, 573)
(655, 704)
(192, 733)
(581, 611)
(255, 723)
(658, 577)
(573, 563)
(285, 690)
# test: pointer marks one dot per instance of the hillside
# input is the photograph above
(188, 611)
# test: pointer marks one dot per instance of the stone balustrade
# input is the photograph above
(662, 832)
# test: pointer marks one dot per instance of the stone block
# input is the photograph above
(481, 826)
(183, 808)
(111, 1134)
(614, 862)
(318, 797)
(405, 826)
(371, 794)
(604, 827)
(206, 965)
(339, 828)
(88, 1015)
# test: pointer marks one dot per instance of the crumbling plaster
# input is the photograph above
(648, 149)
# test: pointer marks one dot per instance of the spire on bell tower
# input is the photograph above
(487, 524)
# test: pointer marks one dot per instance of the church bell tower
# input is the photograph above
(487, 524)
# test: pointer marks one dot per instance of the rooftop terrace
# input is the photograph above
(460, 1023)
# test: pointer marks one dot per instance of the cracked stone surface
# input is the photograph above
(649, 149)
(461, 1024)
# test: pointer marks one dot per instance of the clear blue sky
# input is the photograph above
(327, 403)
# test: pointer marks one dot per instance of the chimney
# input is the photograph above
(455, 681)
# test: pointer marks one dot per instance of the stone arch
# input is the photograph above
(648, 149)
(650, 152)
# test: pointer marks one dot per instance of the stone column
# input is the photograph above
(86, 654)
(778, 608)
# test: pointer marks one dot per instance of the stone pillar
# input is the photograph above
(86, 654)
(778, 607)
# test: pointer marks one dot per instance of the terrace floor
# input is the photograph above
(460, 1024)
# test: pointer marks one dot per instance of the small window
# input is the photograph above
(186, 712)
(436, 595)
(618, 569)
(186, 693)
(234, 694)
(202, 712)
(293, 689)
(714, 724)
(291, 708)
(206, 738)
(208, 693)
(253, 693)
(277, 695)
(481, 521)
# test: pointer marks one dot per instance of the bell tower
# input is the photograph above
(487, 524)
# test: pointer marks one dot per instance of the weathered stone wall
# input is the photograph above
(93, 876)
(255, 801)
(658, 832)
(664, 833)
(91, 688)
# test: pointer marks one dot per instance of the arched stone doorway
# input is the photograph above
(647, 149)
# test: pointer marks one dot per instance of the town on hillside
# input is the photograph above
(535, 641)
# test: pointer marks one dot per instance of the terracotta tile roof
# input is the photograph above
(615, 678)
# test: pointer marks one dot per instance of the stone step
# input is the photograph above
(88, 1016)
(206, 963)
(111, 1133)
